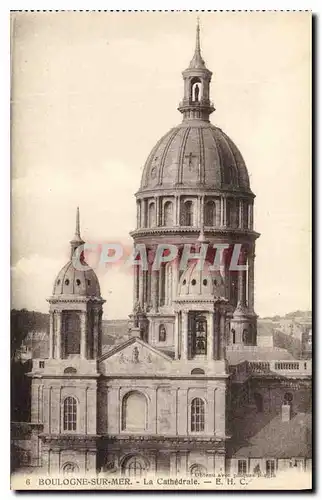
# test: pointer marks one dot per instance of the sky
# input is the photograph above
(91, 95)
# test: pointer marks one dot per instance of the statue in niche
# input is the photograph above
(135, 355)
(162, 333)
(197, 90)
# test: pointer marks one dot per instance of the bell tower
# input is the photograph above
(64, 386)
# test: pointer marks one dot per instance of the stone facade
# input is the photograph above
(165, 400)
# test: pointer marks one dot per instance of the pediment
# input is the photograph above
(134, 357)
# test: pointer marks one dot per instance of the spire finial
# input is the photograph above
(77, 240)
(77, 232)
(197, 61)
(197, 50)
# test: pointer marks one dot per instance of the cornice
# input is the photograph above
(169, 440)
(54, 299)
(193, 230)
(159, 191)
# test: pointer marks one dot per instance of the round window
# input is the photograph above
(205, 282)
(193, 282)
(184, 282)
(58, 282)
(78, 282)
(66, 282)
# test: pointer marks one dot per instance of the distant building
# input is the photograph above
(295, 335)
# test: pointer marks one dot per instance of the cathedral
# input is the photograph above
(189, 393)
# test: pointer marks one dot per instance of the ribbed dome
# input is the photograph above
(71, 281)
(201, 282)
(195, 154)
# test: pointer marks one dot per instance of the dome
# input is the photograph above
(71, 281)
(202, 283)
(195, 154)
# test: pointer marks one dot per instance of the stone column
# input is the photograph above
(143, 213)
(58, 334)
(141, 286)
(221, 211)
(210, 462)
(210, 337)
(220, 411)
(219, 463)
(178, 210)
(240, 218)
(225, 211)
(179, 334)
(135, 284)
(83, 321)
(137, 214)
(242, 279)
(222, 326)
(173, 464)
(51, 335)
(250, 216)
(175, 211)
(184, 350)
(176, 336)
(154, 290)
(157, 211)
(251, 272)
(216, 335)
(95, 333)
(99, 333)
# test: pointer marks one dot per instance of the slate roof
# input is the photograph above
(265, 435)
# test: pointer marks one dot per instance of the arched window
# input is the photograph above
(233, 334)
(210, 213)
(197, 415)
(168, 214)
(162, 333)
(70, 369)
(197, 371)
(70, 468)
(197, 470)
(134, 466)
(187, 214)
(232, 208)
(71, 332)
(245, 336)
(134, 411)
(258, 398)
(195, 89)
(70, 414)
(288, 398)
(152, 214)
(168, 284)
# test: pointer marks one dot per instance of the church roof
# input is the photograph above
(202, 283)
(71, 281)
(76, 277)
(195, 154)
(266, 435)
